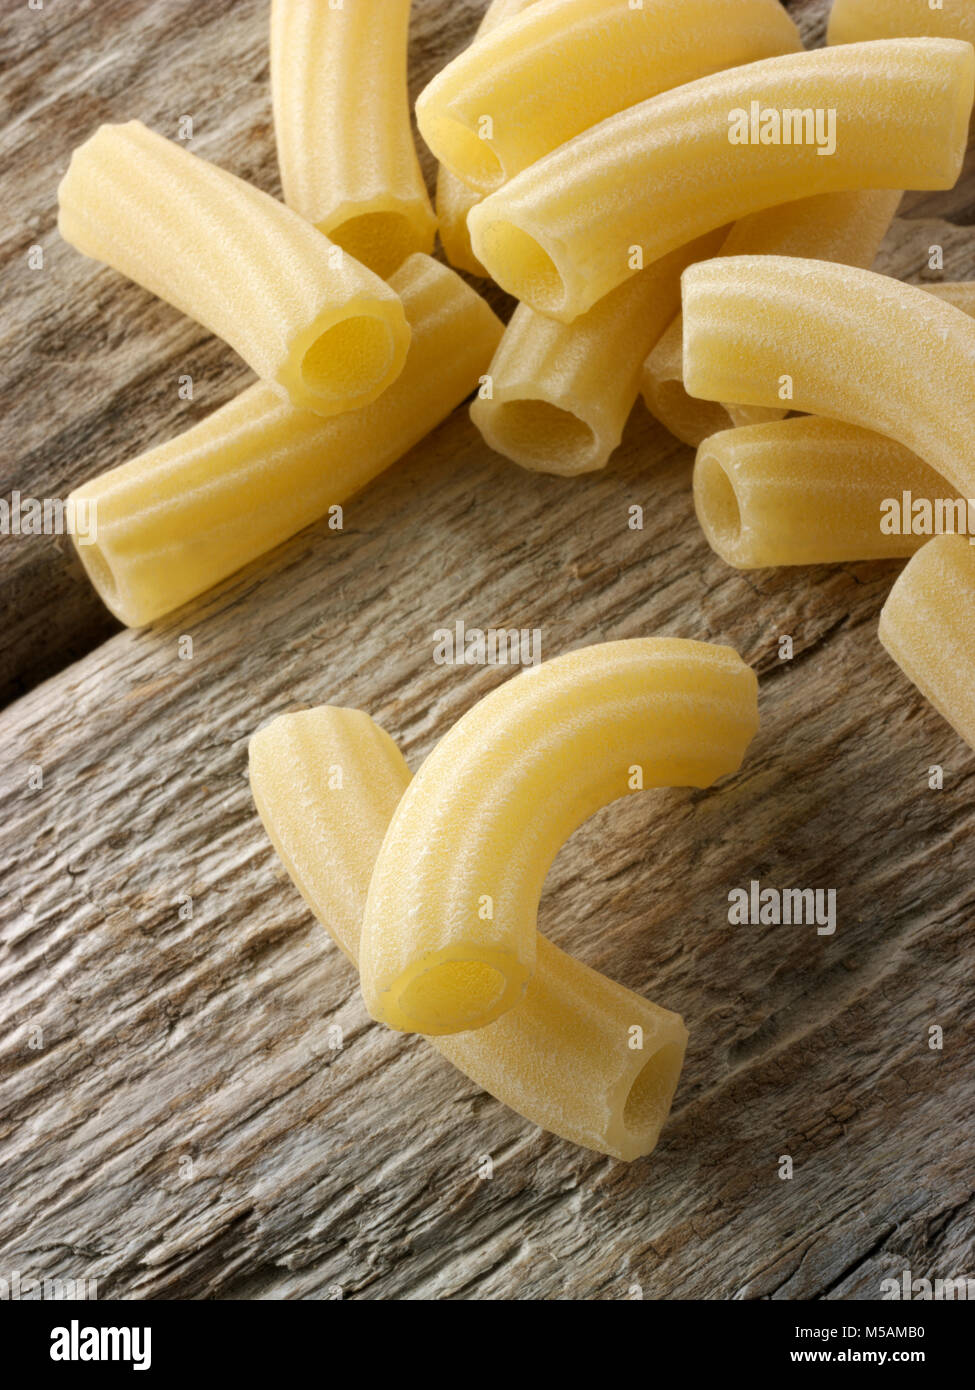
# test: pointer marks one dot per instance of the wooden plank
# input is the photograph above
(180, 1127)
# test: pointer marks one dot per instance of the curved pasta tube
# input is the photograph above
(565, 231)
(178, 519)
(357, 178)
(454, 197)
(297, 309)
(448, 938)
(855, 21)
(560, 394)
(847, 343)
(928, 627)
(326, 783)
(844, 227)
(526, 87)
(808, 492)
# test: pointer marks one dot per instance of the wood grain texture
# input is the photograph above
(180, 1125)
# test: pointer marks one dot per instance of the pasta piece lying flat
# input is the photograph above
(928, 626)
(856, 21)
(844, 227)
(809, 492)
(526, 87)
(580, 1055)
(342, 124)
(177, 520)
(561, 393)
(448, 938)
(296, 308)
(566, 230)
(845, 343)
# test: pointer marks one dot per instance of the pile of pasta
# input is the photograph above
(587, 166)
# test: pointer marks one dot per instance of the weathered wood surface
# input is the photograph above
(172, 1120)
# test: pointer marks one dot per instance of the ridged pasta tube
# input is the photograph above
(565, 231)
(928, 627)
(178, 519)
(561, 393)
(611, 1058)
(808, 492)
(528, 86)
(844, 227)
(297, 309)
(342, 124)
(856, 21)
(846, 343)
(454, 197)
(448, 938)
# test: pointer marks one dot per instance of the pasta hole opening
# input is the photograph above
(349, 358)
(653, 1089)
(543, 435)
(381, 241)
(472, 159)
(529, 273)
(718, 502)
(452, 996)
(101, 573)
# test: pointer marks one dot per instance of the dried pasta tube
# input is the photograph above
(454, 197)
(842, 342)
(342, 124)
(662, 386)
(566, 230)
(928, 627)
(810, 492)
(857, 21)
(179, 519)
(297, 309)
(454, 202)
(448, 938)
(597, 1088)
(561, 393)
(844, 227)
(530, 85)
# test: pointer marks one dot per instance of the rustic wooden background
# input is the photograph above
(172, 1121)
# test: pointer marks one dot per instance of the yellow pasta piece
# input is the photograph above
(561, 393)
(572, 227)
(342, 123)
(182, 517)
(297, 309)
(928, 627)
(841, 342)
(808, 492)
(845, 227)
(454, 197)
(534, 83)
(454, 202)
(855, 21)
(448, 939)
(611, 1058)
